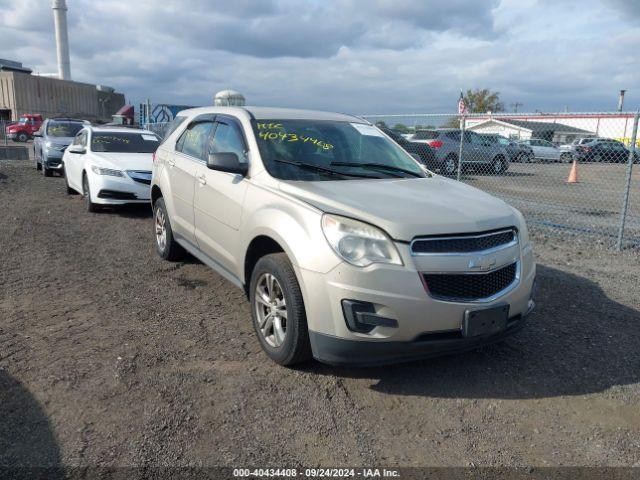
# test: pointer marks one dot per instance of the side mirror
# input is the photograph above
(79, 149)
(227, 162)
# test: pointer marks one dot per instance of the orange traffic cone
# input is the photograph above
(573, 174)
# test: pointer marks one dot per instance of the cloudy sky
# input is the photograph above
(358, 56)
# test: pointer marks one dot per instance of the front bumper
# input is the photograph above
(53, 160)
(339, 351)
(110, 190)
(424, 325)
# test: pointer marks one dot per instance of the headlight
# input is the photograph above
(106, 171)
(48, 144)
(359, 243)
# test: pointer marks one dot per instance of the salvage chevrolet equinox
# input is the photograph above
(348, 249)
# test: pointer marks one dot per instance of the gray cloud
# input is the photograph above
(372, 56)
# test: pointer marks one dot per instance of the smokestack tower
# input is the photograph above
(62, 39)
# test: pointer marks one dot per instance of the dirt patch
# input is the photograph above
(110, 356)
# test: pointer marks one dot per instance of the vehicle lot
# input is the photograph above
(540, 191)
(110, 356)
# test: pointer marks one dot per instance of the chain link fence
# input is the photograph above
(573, 173)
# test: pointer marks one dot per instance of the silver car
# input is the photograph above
(50, 142)
(347, 248)
(478, 152)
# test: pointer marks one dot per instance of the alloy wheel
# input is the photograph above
(271, 310)
(161, 229)
(450, 166)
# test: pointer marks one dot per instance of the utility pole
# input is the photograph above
(621, 100)
(515, 106)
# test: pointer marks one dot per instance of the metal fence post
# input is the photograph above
(625, 201)
(463, 124)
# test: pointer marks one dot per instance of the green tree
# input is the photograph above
(401, 127)
(381, 124)
(483, 100)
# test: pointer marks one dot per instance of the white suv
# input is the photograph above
(348, 250)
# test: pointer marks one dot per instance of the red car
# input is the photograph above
(25, 128)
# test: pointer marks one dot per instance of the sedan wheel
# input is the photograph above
(450, 166)
(91, 207)
(271, 310)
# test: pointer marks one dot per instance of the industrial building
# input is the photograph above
(22, 92)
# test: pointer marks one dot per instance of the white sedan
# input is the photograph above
(110, 165)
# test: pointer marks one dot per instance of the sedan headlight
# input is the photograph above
(359, 243)
(48, 144)
(106, 171)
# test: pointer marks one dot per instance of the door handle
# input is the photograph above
(171, 163)
(202, 179)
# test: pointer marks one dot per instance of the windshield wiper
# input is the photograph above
(318, 168)
(377, 165)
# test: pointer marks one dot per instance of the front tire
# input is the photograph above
(86, 191)
(47, 172)
(498, 165)
(166, 245)
(277, 311)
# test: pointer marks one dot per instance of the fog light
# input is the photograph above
(361, 317)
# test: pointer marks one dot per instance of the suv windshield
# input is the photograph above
(113, 142)
(330, 150)
(63, 129)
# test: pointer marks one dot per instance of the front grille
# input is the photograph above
(140, 176)
(469, 287)
(463, 243)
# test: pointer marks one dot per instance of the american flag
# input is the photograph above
(462, 107)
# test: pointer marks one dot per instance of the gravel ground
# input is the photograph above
(110, 356)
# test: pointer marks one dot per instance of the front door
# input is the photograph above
(219, 197)
(182, 165)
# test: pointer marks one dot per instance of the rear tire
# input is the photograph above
(86, 191)
(166, 245)
(450, 165)
(22, 137)
(38, 164)
(566, 158)
(286, 314)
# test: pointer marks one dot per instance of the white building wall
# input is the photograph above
(616, 126)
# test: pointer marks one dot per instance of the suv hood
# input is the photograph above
(406, 208)
(126, 161)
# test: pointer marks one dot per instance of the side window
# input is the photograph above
(193, 140)
(173, 126)
(228, 139)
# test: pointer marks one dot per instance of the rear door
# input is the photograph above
(181, 167)
(219, 197)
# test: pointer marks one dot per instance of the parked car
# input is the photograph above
(421, 151)
(50, 142)
(518, 152)
(545, 150)
(571, 147)
(348, 250)
(110, 165)
(27, 125)
(478, 152)
(604, 150)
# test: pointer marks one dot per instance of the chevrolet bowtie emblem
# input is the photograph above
(482, 263)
